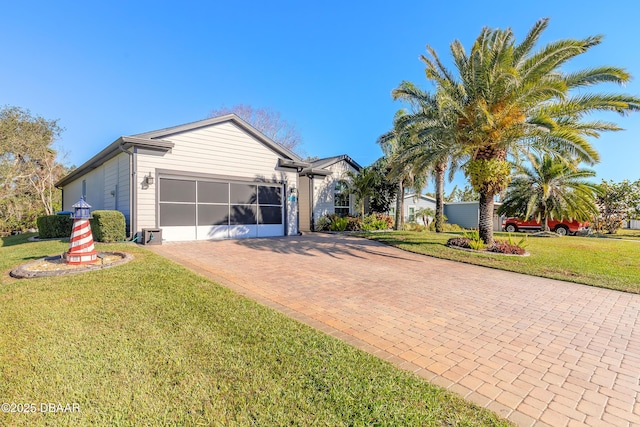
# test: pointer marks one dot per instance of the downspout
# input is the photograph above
(132, 191)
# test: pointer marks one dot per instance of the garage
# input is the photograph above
(202, 209)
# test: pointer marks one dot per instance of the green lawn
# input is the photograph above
(150, 343)
(606, 263)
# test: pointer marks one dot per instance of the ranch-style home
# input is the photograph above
(465, 214)
(218, 178)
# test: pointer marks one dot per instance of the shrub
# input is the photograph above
(339, 224)
(446, 227)
(504, 247)
(108, 226)
(413, 226)
(475, 242)
(373, 222)
(388, 220)
(461, 242)
(323, 223)
(54, 226)
(354, 223)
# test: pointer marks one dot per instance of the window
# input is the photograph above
(392, 212)
(412, 213)
(341, 198)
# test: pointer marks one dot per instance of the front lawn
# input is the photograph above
(606, 263)
(150, 343)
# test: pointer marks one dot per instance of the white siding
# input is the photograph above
(94, 190)
(222, 149)
(113, 175)
(323, 190)
(417, 203)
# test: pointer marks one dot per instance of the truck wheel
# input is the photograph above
(562, 230)
(511, 228)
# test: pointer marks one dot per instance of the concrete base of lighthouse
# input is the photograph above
(80, 257)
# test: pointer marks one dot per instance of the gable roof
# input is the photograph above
(153, 141)
(420, 196)
(328, 161)
(161, 133)
(116, 147)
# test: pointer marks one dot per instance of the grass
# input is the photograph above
(623, 233)
(606, 263)
(150, 343)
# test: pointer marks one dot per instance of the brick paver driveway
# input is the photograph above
(537, 351)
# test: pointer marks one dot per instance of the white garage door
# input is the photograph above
(195, 209)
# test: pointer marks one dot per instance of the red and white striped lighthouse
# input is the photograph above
(81, 249)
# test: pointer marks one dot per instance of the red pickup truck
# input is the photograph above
(562, 227)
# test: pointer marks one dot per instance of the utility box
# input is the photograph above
(152, 236)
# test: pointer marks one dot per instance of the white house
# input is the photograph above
(465, 214)
(211, 179)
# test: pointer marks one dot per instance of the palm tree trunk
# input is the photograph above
(440, 169)
(485, 223)
(400, 205)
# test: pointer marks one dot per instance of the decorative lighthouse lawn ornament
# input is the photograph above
(81, 249)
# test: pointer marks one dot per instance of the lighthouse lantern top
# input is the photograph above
(81, 210)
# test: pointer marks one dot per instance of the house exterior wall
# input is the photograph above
(116, 184)
(463, 214)
(634, 224)
(467, 214)
(324, 190)
(113, 175)
(417, 203)
(222, 150)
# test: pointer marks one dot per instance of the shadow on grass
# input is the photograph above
(16, 240)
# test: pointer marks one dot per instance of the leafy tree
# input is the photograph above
(267, 121)
(28, 168)
(384, 189)
(509, 99)
(550, 189)
(617, 203)
(467, 194)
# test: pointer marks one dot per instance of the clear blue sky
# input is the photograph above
(107, 69)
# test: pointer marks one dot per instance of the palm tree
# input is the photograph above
(394, 143)
(508, 99)
(360, 184)
(432, 146)
(551, 188)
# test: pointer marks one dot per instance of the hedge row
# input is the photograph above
(107, 226)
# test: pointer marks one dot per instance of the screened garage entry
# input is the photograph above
(199, 209)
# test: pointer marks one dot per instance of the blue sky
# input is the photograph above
(107, 69)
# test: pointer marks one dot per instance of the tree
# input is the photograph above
(431, 146)
(361, 185)
(28, 167)
(617, 203)
(268, 122)
(394, 143)
(467, 194)
(509, 99)
(550, 189)
(384, 189)
(425, 214)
